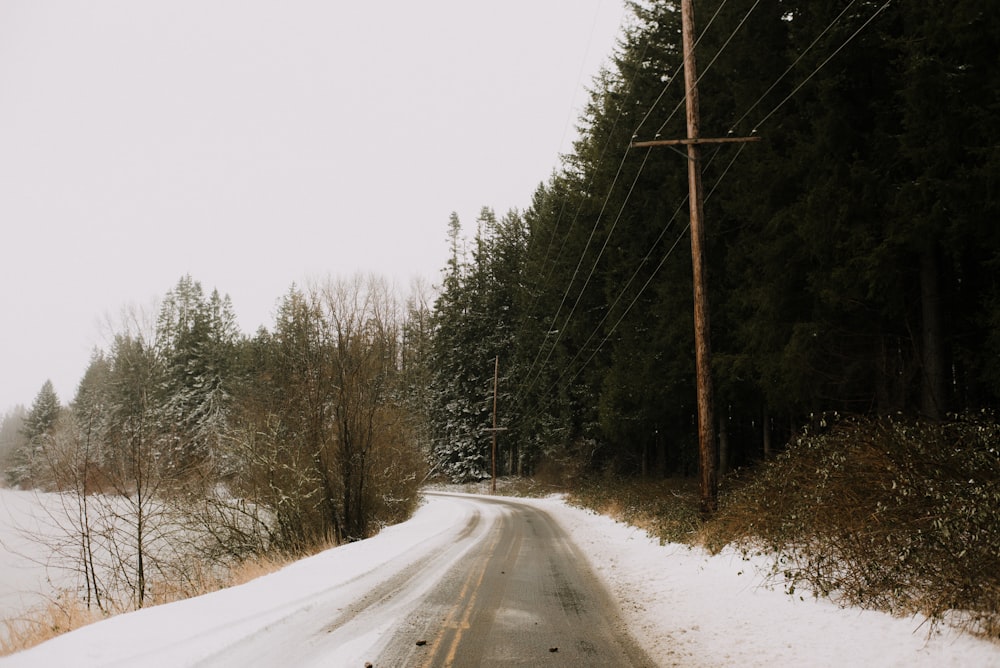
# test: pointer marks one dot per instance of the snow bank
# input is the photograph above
(199, 629)
(689, 608)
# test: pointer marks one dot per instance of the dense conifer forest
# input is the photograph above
(852, 252)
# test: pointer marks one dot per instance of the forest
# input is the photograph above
(852, 252)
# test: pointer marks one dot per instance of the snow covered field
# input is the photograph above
(29, 570)
(685, 607)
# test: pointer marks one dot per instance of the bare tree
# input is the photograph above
(281, 429)
(369, 419)
(320, 449)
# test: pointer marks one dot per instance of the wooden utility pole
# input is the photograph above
(496, 375)
(495, 429)
(702, 329)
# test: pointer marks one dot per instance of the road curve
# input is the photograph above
(521, 595)
(501, 585)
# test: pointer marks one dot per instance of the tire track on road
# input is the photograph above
(522, 596)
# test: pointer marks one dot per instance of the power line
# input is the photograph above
(726, 171)
(567, 124)
(718, 53)
(576, 216)
(679, 70)
(822, 64)
(628, 284)
(792, 66)
(622, 208)
(558, 331)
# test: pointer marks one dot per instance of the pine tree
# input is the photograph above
(476, 321)
(90, 407)
(38, 429)
(457, 422)
(41, 418)
(196, 339)
(852, 252)
(416, 371)
(11, 438)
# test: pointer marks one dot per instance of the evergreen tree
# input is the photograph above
(416, 371)
(196, 339)
(458, 446)
(43, 414)
(11, 438)
(475, 321)
(90, 407)
(851, 254)
(37, 430)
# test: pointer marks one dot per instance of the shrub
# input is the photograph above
(893, 514)
(666, 509)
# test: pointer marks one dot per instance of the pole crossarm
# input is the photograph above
(691, 142)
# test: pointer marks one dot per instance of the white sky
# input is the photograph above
(256, 143)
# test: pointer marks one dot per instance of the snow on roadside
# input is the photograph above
(203, 628)
(689, 608)
(685, 607)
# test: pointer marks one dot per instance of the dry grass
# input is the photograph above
(255, 568)
(666, 509)
(58, 616)
(69, 612)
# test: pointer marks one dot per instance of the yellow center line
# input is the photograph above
(464, 606)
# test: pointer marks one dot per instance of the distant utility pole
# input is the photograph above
(495, 429)
(702, 330)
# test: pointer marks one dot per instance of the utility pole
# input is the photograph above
(495, 429)
(496, 375)
(702, 329)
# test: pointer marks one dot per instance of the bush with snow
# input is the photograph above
(892, 514)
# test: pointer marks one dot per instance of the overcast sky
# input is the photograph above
(257, 143)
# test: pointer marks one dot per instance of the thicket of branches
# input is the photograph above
(190, 447)
(891, 514)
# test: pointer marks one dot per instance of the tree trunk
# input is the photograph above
(644, 460)
(724, 454)
(932, 394)
(661, 455)
(765, 426)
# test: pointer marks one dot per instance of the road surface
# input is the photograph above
(476, 581)
(521, 595)
(506, 588)
(468, 581)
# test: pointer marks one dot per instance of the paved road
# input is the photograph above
(502, 586)
(521, 595)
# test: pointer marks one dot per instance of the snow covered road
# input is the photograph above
(373, 600)
(478, 581)
(522, 596)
